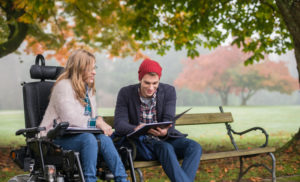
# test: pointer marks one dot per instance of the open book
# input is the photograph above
(143, 130)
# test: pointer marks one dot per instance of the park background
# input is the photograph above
(274, 108)
(276, 112)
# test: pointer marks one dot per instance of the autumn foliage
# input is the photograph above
(223, 72)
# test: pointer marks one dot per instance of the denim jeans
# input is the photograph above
(168, 152)
(86, 144)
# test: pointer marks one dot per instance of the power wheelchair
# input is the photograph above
(44, 160)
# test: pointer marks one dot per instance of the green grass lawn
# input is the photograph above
(10, 122)
(279, 121)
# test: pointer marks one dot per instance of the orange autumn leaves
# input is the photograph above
(58, 28)
(223, 72)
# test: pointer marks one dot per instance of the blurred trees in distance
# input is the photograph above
(205, 73)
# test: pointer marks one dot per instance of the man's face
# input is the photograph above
(149, 84)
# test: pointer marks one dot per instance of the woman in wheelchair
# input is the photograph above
(73, 100)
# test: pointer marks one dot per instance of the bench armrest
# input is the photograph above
(230, 130)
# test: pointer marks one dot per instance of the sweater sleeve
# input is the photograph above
(169, 104)
(169, 108)
(121, 119)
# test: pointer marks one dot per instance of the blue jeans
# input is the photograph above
(86, 144)
(168, 152)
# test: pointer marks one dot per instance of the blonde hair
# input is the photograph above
(77, 65)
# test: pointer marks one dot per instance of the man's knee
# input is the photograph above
(195, 147)
(163, 147)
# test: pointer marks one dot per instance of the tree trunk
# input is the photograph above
(294, 143)
(244, 102)
(224, 98)
(13, 43)
(245, 96)
(224, 101)
(18, 30)
(290, 11)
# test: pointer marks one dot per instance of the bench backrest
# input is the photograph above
(193, 119)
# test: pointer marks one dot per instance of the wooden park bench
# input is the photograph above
(218, 118)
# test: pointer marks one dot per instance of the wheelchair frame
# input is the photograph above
(41, 157)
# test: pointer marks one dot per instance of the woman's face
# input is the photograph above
(90, 74)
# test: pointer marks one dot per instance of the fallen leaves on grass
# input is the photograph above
(279, 168)
(8, 168)
(6, 164)
(255, 179)
(225, 170)
(208, 170)
(287, 163)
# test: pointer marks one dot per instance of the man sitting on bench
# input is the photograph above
(152, 102)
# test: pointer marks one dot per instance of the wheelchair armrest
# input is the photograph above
(30, 132)
(58, 130)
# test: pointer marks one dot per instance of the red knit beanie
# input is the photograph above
(149, 66)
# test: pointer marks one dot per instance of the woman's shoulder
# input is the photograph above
(63, 84)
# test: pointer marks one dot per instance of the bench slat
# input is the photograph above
(193, 119)
(109, 120)
(239, 153)
(210, 156)
(205, 118)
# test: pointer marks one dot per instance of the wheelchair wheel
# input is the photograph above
(21, 178)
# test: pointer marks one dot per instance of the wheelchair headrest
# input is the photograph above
(44, 72)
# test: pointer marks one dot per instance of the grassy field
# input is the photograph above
(279, 121)
(10, 122)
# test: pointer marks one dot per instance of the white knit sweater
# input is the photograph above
(64, 106)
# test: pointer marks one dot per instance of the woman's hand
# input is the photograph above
(159, 131)
(107, 129)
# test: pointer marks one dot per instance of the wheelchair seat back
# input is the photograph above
(36, 95)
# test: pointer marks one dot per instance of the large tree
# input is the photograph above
(205, 73)
(127, 26)
(267, 75)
